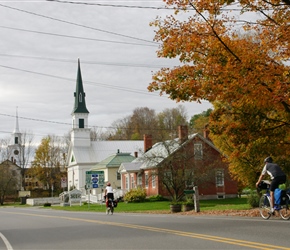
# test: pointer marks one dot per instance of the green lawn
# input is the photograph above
(205, 205)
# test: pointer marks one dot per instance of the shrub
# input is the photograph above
(135, 195)
(253, 199)
(157, 197)
(47, 204)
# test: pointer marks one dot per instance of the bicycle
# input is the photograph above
(265, 208)
(111, 205)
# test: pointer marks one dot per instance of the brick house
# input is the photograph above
(195, 156)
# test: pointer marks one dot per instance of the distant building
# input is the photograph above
(111, 165)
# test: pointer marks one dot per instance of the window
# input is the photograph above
(153, 183)
(139, 180)
(167, 178)
(198, 151)
(127, 182)
(118, 176)
(80, 97)
(219, 178)
(16, 140)
(132, 181)
(81, 123)
(189, 177)
(146, 180)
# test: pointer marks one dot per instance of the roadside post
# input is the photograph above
(195, 197)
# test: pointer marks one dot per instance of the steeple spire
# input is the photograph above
(80, 101)
(80, 133)
(16, 130)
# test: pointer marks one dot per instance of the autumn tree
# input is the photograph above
(146, 121)
(198, 122)
(169, 120)
(237, 62)
(143, 121)
(9, 180)
(49, 161)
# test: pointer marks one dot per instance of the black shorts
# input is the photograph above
(110, 196)
(277, 181)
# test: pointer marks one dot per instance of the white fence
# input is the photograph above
(99, 198)
(42, 201)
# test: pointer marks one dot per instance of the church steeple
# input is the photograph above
(16, 135)
(80, 101)
(80, 134)
(15, 143)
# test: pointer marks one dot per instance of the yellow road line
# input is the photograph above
(244, 243)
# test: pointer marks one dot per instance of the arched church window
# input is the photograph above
(80, 97)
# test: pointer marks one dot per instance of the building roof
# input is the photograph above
(161, 150)
(114, 161)
(100, 150)
(80, 101)
(130, 167)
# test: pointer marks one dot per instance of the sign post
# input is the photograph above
(95, 179)
(63, 183)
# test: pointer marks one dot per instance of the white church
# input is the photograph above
(84, 154)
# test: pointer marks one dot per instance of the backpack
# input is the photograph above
(280, 196)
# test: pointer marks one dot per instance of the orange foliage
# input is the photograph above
(238, 60)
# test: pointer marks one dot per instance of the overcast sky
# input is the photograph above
(40, 44)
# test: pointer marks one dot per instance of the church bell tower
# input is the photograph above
(15, 144)
(80, 134)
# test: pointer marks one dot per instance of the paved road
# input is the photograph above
(38, 228)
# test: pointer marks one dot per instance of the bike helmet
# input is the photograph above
(268, 159)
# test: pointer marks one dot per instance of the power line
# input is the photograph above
(87, 62)
(64, 123)
(34, 119)
(138, 91)
(77, 37)
(112, 5)
(135, 6)
(79, 25)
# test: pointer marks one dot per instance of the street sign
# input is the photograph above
(63, 182)
(95, 179)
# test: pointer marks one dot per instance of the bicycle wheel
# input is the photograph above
(285, 210)
(264, 207)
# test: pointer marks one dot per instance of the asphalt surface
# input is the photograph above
(38, 228)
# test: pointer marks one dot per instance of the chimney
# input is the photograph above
(136, 154)
(182, 133)
(206, 132)
(147, 142)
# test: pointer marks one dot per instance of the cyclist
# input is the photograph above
(109, 194)
(277, 177)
